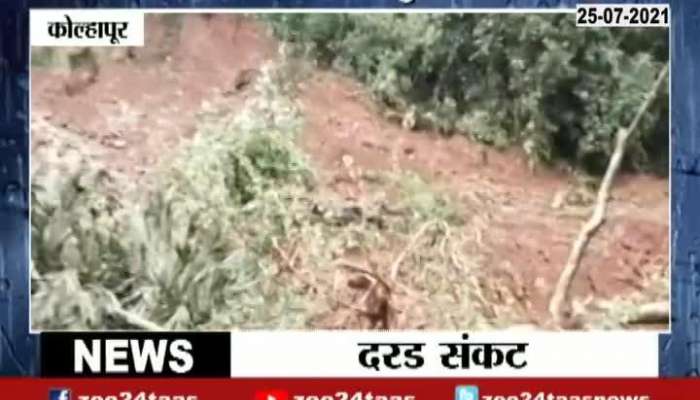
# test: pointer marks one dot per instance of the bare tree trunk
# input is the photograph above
(561, 291)
(652, 313)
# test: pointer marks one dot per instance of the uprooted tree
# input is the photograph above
(560, 297)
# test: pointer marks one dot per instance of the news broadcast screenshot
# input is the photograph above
(349, 200)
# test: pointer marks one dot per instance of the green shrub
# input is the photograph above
(190, 252)
(535, 80)
(235, 234)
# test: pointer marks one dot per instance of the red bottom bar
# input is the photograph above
(350, 389)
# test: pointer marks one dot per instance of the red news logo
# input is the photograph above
(272, 395)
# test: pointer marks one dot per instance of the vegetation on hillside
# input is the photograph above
(235, 234)
(534, 80)
(236, 231)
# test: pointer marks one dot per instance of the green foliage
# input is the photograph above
(537, 80)
(192, 256)
(417, 195)
(230, 236)
(227, 236)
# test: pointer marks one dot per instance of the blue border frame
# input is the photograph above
(679, 351)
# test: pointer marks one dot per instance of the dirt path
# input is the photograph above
(140, 115)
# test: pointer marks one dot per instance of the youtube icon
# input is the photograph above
(272, 395)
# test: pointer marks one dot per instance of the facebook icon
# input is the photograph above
(467, 393)
(59, 394)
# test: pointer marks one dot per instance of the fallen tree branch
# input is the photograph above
(651, 313)
(133, 319)
(377, 298)
(394, 269)
(359, 268)
(597, 218)
(115, 309)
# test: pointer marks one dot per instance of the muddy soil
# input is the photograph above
(138, 110)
